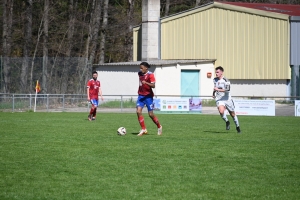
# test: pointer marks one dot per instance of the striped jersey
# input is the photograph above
(224, 84)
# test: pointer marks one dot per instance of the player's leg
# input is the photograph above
(90, 116)
(95, 109)
(149, 104)
(222, 108)
(236, 121)
(155, 120)
(94, 114)
(231, 109)
(139, 108)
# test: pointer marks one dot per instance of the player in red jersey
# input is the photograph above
(93, 91)
(145, 97)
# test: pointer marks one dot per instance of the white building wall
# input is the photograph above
(123, 80)
(259, 88)
(168, 80)
(118, 80)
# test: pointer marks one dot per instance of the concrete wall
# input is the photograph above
(150, 29)
(169, 80)
(123, 80)
(259, 87)
(118, 80)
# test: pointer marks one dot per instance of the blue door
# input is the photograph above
(190, 82)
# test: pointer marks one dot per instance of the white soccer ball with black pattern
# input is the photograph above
(121, 131)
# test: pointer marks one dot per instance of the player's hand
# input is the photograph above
(102, 98)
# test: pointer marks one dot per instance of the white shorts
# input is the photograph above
(229, 105)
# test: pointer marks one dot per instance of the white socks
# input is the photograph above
(224, 117)
(236, 121)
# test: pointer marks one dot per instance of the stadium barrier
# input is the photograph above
(116, 103)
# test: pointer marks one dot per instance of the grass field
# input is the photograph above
(65, 156)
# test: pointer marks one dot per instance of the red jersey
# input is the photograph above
(94, 86)
(145, 89)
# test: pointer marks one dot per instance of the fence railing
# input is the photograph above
(61, 102)
(111, 103)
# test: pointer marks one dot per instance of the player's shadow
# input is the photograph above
(135, 133)
(217, 132)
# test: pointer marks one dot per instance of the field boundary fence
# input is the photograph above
(116, 103)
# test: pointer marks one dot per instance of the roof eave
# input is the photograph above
(228, 7)
(295, 18)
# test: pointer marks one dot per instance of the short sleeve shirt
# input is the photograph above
(224, 84)
(94, 86)
(145, 89)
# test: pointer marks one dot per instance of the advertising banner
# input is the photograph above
(255, 107)
(195, 105)
(297, 108)
(178, 105)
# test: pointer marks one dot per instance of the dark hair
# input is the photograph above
(94, 72)
(145, 64)
(220, 68)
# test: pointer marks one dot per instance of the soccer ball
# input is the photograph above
(121, 131)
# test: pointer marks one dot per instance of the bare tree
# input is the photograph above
(91, 43)
(128, 37)
(26, 46)
(167, 8)
(103, 32)
(71, 24)
(40, 32)
(71, 28)
(45, 46)
(82, 64)
(95, 27)
(7, 42)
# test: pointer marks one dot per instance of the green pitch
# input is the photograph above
(65, 156)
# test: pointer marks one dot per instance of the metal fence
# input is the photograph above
(113, 103)
(60, 102)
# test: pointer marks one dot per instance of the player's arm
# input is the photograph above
(214, 91)
(225, 89)
(219, 89)
(152, 83)
(88, 92)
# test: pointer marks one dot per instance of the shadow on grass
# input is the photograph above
(217, 132)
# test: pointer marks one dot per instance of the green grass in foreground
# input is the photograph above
(65, 156)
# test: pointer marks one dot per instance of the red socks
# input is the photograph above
(93, 111)
(142, 122)
(155, 120)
